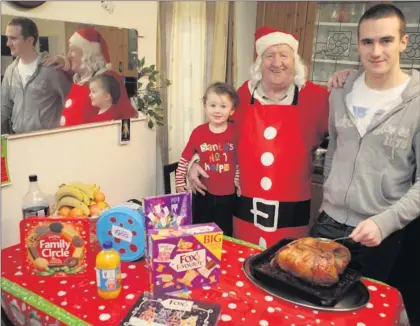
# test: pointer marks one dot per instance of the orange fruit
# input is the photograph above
(64, 211)
(100, 196)
(102, 205)
(76, 212)
(94, 210)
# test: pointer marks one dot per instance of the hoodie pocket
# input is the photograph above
(335, 187)
(391, 194)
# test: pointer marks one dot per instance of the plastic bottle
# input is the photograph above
(108, 272)
(35, 203)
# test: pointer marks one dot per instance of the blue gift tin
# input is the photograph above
(123, 225)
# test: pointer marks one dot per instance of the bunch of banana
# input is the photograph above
(76, 194)
(90, 190)
(73, 202)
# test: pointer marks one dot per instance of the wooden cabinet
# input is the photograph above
(117, 41)
(297, 17)
(335, 37)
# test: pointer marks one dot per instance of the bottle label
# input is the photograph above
(39, 211)
(108, 279)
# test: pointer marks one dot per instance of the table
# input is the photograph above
(74, 301)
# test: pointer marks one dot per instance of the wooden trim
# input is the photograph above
(309, 33)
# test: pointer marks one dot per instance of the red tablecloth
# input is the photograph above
(74, 301)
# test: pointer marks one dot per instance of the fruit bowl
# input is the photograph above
(78, 199)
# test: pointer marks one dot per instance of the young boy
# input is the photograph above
(104, 93)
(215, 143)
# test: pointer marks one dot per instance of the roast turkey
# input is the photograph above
(316, 261)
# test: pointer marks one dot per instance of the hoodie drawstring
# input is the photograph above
(396, 134)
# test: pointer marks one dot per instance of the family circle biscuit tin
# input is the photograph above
(123, 225)
(55, 246)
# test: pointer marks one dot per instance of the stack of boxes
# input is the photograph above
(180, 255)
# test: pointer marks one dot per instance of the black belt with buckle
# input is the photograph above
(270, 215)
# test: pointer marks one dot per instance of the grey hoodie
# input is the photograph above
(372, 176)
(36, 106)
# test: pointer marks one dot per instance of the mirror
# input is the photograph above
(98, 81)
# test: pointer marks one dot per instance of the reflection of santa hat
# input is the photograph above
(91, 41)
(266, 37)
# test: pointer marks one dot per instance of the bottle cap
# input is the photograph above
(107, 245)
(33, 178)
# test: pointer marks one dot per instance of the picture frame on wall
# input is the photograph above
(125, 131)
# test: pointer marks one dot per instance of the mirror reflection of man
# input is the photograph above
(32, 95)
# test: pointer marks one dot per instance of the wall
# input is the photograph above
(245, 19)
(90, 155)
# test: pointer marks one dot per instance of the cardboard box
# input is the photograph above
(167, 211)
(164, 310)
(56, 247)
(185, 257)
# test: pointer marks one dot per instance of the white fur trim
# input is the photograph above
(90, 47)
(275, 38)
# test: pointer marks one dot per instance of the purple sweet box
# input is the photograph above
(167, 211)
(188, 256)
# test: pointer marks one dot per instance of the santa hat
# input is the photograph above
(91, 42)
(266, 37)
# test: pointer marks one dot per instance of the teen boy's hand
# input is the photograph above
(338, 78)
(367, 233)
(194, 174)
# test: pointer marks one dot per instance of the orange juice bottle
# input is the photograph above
(108, 272)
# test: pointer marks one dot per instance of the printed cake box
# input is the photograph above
(167, 211)
(55, 246)
(185, 257)
(164, 310)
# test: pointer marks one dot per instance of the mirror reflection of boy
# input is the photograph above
(88, 56)
(104, 95)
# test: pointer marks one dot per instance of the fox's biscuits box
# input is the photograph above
(55, 246)
(185, 257)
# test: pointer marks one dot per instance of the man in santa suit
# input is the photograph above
(281, 119)
(88, 56)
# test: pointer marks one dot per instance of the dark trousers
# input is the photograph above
(406, 272)
(373, 262)
(211, 208)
